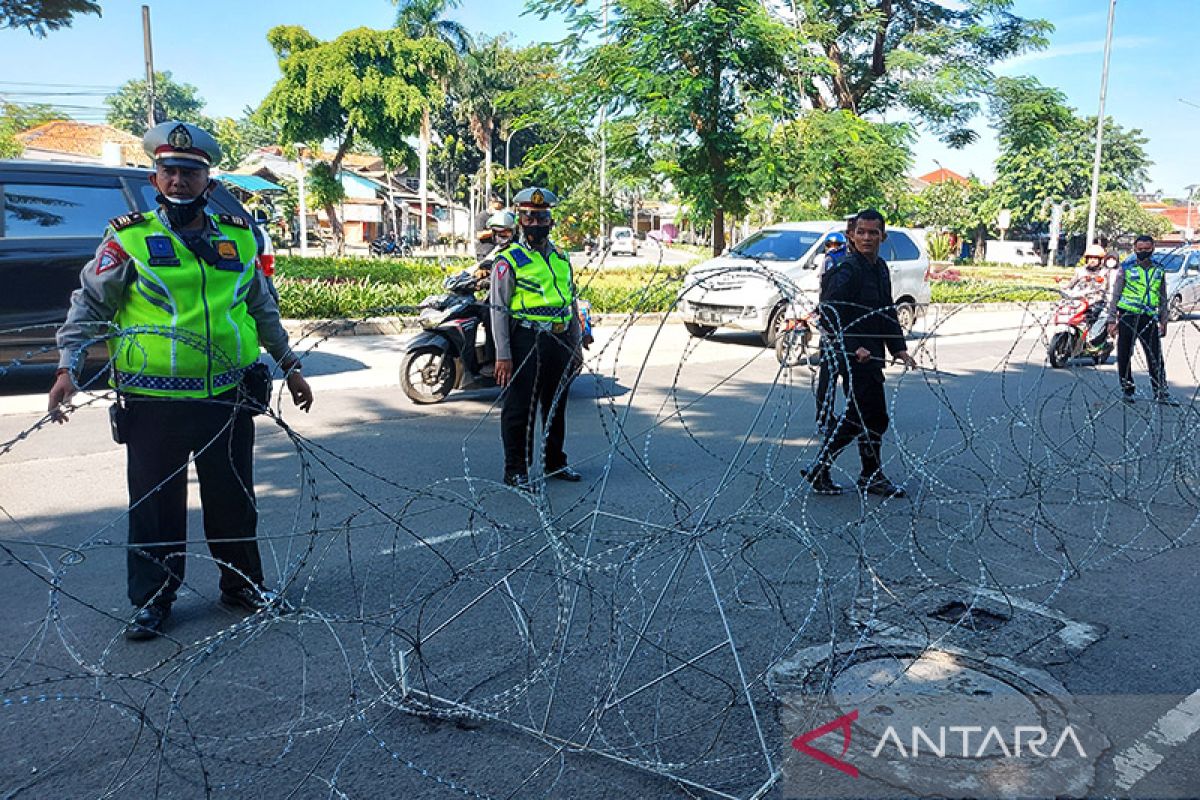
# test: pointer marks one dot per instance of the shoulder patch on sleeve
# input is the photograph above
(501, 266)
(127, 221)
(234, 220)
(111, 255)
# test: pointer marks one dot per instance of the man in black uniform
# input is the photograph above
(859, 314)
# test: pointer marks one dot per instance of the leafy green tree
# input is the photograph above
(1046, 151)
(967, 210)
(172, 100)
(40, 16)
(833, 162)
(364, 86)
(15, 119)
(424, 19)
(238, 137)
(686, 71)
(1118, 215)
(929, 57)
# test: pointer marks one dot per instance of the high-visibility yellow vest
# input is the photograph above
(1141, 293)
(185, 328)
(544, 290)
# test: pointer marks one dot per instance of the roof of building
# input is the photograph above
(82, 139)
(942, 175)
(250, 183)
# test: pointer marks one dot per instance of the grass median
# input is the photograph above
(353, 288)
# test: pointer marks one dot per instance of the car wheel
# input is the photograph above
(774, 328)
(699, 331)
(906, 313)
(427, 374)
(1175, 309)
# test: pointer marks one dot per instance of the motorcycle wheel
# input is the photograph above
(791, 347)
(1059, 351)
(427, 374)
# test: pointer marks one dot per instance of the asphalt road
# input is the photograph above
(453, 635)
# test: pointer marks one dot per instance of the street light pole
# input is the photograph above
(507, 178)
(1091, 227)
(1191, 192)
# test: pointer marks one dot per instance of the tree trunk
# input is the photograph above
(718, 234)
(423, 189)
(487, 161)
(335, 225)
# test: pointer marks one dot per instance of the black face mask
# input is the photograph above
(536, 234)
(1146, 256)
(180, 215)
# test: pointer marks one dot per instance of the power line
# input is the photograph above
(61, 85)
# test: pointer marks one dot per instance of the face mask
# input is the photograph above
(181, 213)
(1144, 256)
(536, 234)
(501, 237)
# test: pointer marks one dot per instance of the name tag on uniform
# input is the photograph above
(162, 251)
(227, 255)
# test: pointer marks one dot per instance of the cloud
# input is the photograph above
(1077, 49)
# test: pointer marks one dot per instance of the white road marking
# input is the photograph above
(1147, 753)
(429, 540)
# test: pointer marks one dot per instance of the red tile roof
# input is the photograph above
(941, 176)
(82, 139)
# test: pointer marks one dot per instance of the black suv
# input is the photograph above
(54, 217)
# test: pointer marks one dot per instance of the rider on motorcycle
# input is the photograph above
(1091, 278)
(502, 225)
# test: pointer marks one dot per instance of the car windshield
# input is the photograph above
(777, 245)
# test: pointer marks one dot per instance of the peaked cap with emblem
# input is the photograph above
(536, 198)
(181, 144)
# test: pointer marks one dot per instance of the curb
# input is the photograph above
(397, 326)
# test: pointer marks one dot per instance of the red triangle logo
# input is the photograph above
(843, 723)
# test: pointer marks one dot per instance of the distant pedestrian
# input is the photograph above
(1138, 309)
(858, 313)
(484, 242)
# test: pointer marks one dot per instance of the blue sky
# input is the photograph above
(220, 47)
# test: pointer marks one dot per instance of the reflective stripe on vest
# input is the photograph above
(1141, 293)
(185, 328)
(543, 290)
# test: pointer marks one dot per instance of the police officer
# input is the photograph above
(859, 314)
(535, 321)
(184, 310)
(1137, 309)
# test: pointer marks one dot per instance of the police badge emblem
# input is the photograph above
(179, 138)
(538, 198)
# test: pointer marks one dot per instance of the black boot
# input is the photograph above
(822, 483)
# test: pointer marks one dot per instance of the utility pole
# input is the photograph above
(1091, 227)
(149, 51)
(603, 156)
(303, 203)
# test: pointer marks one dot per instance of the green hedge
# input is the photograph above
(333, 288)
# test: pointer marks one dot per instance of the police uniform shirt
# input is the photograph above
(103, 283)
(504, 282)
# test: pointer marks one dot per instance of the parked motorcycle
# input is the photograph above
(389, 245)
(448, 354)
(1079, 328)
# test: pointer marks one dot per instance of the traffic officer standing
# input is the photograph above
(535, 321)
(177, 296)
(1137, 309)
(859, 314)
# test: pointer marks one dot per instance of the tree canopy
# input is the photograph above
(40, 16)
(17, 118)
(364, 86)
(932, 58)
(172, 100)
(1118, 215)
(1046, 150)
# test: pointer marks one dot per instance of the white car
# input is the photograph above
(623, 242)
(750, 285)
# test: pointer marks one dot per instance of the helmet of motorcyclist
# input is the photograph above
(835, 241)
(503, 225)
(1093, 257)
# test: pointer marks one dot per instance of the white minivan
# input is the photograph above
(623, 241)
(749, 286)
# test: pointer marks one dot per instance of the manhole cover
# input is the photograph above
(931, 722)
